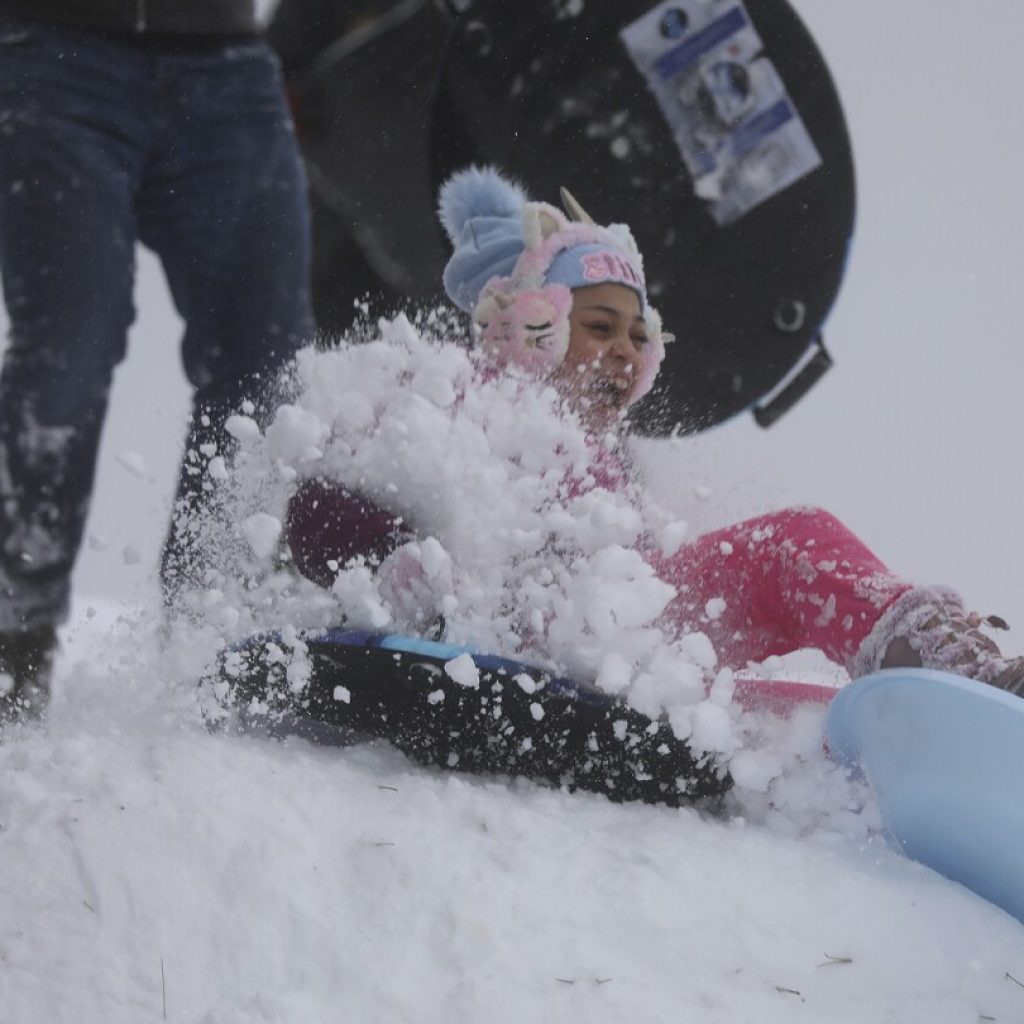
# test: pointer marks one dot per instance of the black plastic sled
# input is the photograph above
(712, 127)
(451, 708)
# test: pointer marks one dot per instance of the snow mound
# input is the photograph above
(155, 871)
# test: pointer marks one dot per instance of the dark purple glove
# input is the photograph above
(327, 523)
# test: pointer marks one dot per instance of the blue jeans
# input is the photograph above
(105, 141)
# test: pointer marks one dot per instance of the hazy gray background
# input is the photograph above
(914, 437)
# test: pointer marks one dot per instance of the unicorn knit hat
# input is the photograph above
(516, 263)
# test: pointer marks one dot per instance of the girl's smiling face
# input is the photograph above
(607, 342)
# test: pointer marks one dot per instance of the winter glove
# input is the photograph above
(414, 580)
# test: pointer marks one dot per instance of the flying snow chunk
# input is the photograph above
(262, 531)
(526, 683)
(295, 433)
(435, 560)
(712, 729)
(463, 671)
(669, 681)
(437, 389)
(700, 649)
(218, 469)
(671, 537)
(714, 608)
(723, 688)
(680, 719)
(353, 412)
(615, 673)
(618, 563)
(754, 770)
(342, 694)
(298, 674)
(373, 613)
(399, 331)
(242, 428)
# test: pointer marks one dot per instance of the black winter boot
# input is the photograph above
(26, 664)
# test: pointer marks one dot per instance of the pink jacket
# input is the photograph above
(787, 580)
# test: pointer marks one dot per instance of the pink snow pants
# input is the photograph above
(784, 581)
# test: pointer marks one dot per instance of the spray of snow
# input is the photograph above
(526, 547)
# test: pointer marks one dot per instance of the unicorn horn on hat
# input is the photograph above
(572, 207)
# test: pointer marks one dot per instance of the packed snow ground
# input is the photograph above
(154, 871)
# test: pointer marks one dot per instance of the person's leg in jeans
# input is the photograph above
(224, 205)
(69, 160)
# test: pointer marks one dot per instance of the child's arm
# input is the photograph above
(327, 523)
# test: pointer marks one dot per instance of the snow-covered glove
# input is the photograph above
(414, 580)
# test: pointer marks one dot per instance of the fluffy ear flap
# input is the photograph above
(529, 330)
(654, 353)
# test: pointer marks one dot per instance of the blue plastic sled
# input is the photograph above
(945, 756)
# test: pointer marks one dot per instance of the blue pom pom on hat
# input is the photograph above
(482, 213)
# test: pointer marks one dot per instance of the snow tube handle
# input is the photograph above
(809, 374)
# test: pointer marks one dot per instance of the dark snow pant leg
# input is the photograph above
(66, 259)
(224, 206)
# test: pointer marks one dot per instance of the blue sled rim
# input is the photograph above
(945, 756)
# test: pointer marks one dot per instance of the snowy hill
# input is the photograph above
(154, 872)
(150, 870)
